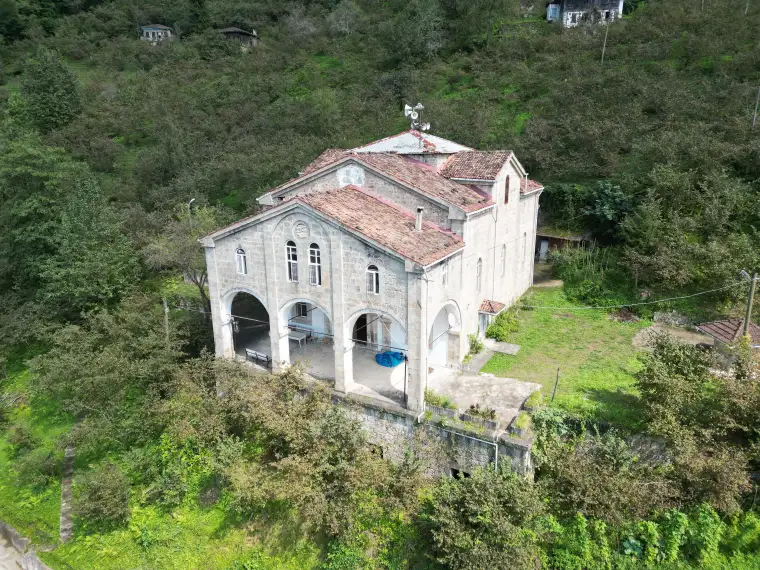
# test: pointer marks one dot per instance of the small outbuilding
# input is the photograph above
(549, 238)
(730, 331)
(155, 33)
(571, 13)
(246, 39)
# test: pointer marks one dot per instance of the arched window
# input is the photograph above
(373, 280)
(315, 265)
(292, 255)
(479, 275)
(445, 273)
(506, 191)
(503, 260)
(241, 263)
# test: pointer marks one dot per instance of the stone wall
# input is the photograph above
(394, 430)
(29, 560)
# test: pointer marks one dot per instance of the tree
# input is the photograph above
(94, 263)
(177, 248)
(35, 183)
(486, 521)
(50, 95)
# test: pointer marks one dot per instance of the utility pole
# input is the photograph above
(757, 101)
(604, 47)
(746, 9)
(750, 299)
(556, 383)
(166, 323)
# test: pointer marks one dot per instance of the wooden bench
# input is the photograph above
(257, 357)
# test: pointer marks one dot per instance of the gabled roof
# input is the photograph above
(418, 175)
(327, 157)
(413, 142)
(529, 186)
(234, 30)
(372, 218)
(729, 331)
(475, 164)
(491, 307)
(385, 223)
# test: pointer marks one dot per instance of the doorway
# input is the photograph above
(360, 330)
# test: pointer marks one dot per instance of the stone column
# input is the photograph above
(220, 317)
(417, 341)
(342, 343)
(278, 330)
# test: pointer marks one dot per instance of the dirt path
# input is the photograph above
(686, 336)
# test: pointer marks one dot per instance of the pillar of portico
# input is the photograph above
(417, 342)
(220, 317)
(342, 343)
(278, 330)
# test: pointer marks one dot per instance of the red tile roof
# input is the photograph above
(730, 330)
(475, 165)
(416, 174)
(529, 186)
(424, 178)
(384, 223)
(491, 307)
(327, 157)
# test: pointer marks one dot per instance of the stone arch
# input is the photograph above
(444, 336)
(246, 322)
(348, 327)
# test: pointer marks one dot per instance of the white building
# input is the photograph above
(407, 245)
(155, 33)
(574, 12)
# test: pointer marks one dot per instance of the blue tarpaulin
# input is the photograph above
(389, 359)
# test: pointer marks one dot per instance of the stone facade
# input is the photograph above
(426, 312)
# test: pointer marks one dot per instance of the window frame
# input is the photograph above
(315, 261)
(506, 190)
(299, 313)
(479, 275)
(374, 271)
(240, 255)
(503, 260)
(445, 273)
(291, 259)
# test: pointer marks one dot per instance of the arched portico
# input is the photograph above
(444, 337)
(308, 336)
(367, 333)
(244, 318)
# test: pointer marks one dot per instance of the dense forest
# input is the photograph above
(642, 132)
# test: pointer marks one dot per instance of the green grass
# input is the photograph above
(594, 354)
(188, 537)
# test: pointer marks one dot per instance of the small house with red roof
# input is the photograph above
(375, 263)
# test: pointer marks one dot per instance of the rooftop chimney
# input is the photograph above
(418, 221)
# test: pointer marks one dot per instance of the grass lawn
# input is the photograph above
(189, 537)
(594, 354)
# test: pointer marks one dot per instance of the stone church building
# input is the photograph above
(406, 245)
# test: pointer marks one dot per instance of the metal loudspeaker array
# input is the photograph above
(413, 113)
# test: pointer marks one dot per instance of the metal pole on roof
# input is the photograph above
(750, 299)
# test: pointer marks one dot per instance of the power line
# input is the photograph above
(590, 307)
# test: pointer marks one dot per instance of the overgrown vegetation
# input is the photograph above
(104, 141)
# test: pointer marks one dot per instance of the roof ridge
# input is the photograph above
(401, 210)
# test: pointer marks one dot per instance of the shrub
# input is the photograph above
(21, 440)
(476, 346)
(535, 400)
(103, 496)
(505, 324)
(523, 421)
(38, 468)
(437, 400)
(485, 412)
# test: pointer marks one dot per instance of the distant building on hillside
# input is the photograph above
(549, 238)
(246, 39)
(155, 33)
(574, 12)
